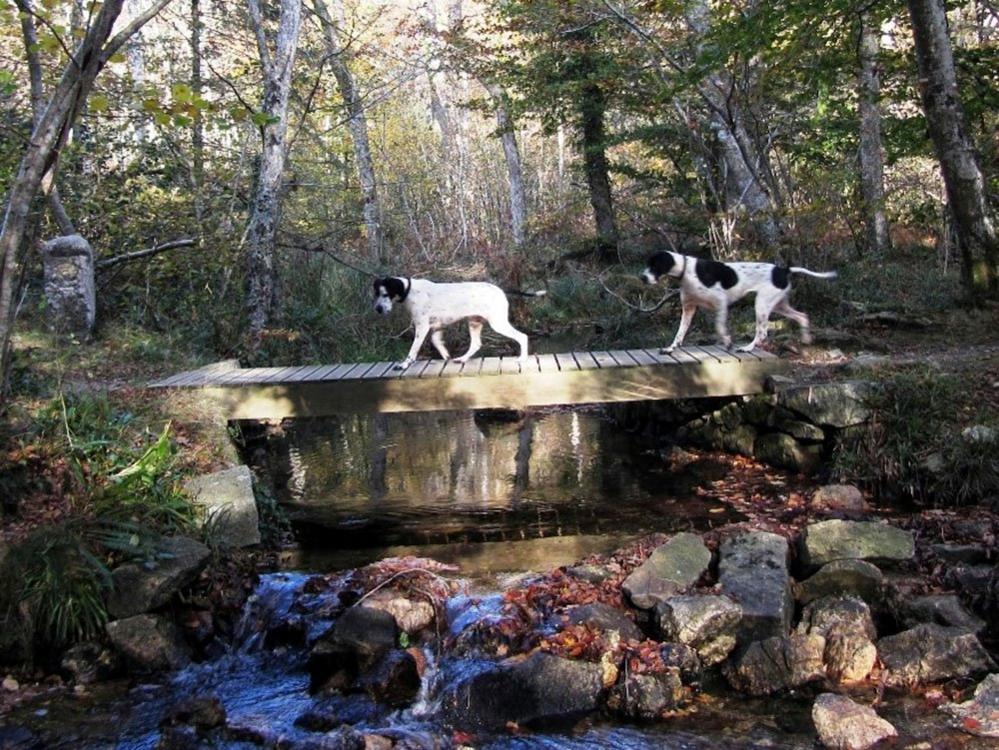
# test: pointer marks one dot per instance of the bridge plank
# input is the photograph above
(380, 370)
(300, 373)
(566, 362)
(453, 368)
(547, 363)
(622, 358)
(416, 369)
(604, 359)
(490, 366)
(690, 355)
(719, 353)
(510, 365)
(277, 375)
(434, 368)
(642, 358)
(585, 361)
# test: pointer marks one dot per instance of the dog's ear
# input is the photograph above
(395, 288)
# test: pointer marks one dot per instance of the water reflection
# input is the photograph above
(466, 478)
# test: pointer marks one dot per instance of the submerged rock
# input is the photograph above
(931, 653)
(844, 725)
(148, 642)
(541, 689)
(646, 696)
(203, 712)
(708, 624)
(826, 541)
(411, 616)
(980, 715)
(856, 577)
(355, 641)
(671, 567)
(753, 572)
(776, 664)
(606, 618)
(139, 588)
(394, 679)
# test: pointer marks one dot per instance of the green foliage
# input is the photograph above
(913, 448)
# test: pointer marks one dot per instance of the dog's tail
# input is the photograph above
(816, 274)
(520, 293)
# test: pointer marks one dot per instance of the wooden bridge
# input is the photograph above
(483, 383)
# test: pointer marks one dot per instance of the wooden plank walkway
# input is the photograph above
(485, 382)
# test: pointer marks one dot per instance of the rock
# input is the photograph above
(138, 588)
(148, 642)
(89, 662)
(604, 617)
(847, 626)
(980, 715)
(229, 505)
(394, 679)
(783, 451)
(975, 581)
(589, 573)
(931, 653)
(353, 644)
(835, 539)
(684, 658)
(342, 738)
(646, 696)
(68, 264)
(671, 567)
(411, 616)
(844, 725)
(179, 738)
(979, 433)
(798, 429)
(960, 553)
(203, 712)
(855, 577)
(839, 498)
(17, 737)
(942, 609)
(708, 624)
(541, 690)
(776, 664)
(752, 570)
(840, 404)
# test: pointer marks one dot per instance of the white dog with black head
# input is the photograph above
(713, 285)
(431, 306)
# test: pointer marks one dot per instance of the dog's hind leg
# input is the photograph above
(503, 328)
(685, 319)
(421, 335)
(765, 303)
(474, 339)
(784, 308)
(721, 324)
(437, 339)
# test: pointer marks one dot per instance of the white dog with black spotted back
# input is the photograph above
(431, 306)
(713, 285)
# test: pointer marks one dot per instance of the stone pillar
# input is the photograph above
(69, 285)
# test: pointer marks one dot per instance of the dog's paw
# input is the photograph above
(667, 350)
(460, 360)
(747, 348)
(402, 365)
(806, 339)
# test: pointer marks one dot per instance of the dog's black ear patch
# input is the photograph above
(780, 276)
(661, 263)
(396, 288)
(711, 272)
(377, 286)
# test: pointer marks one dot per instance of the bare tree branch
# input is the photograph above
(138, 254)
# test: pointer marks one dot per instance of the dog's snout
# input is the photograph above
(647, 277)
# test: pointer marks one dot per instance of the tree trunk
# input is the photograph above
(515, 174)
(592, 105)
(198, 126)
(261, 273)
(47, 138)
(358, 125)
(955, 151)
(870, 155)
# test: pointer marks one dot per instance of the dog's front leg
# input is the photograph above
(721, 325)
(421, 334)
(685, 319)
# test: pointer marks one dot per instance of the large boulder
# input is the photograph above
(847, 626)
(646, 696)
(835, 539)
(708, 624)
(838, 499)
(68, 268)
(753, 572)
(776, 664)
(149, 643)
(844, 725)
(671, 567)
(352, 645)
(783, 451)
(227, 501)
(854, 577)
(932, 653)
(980, 715)
(840, 404)
(539, 690)
(394, 679)
(140, 588)
(606, 618)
